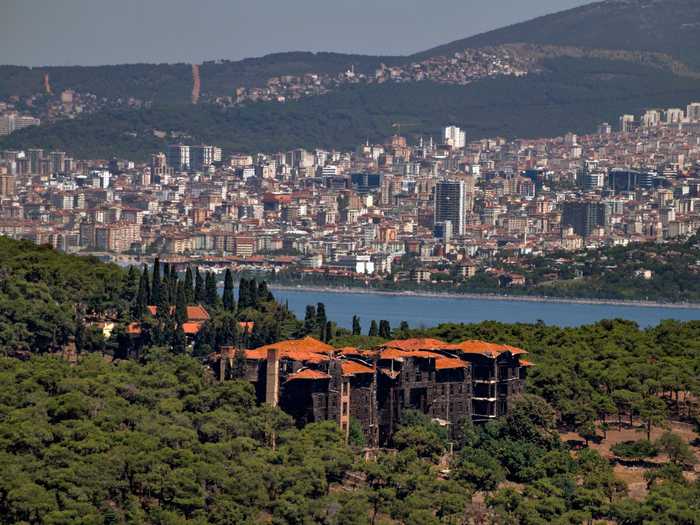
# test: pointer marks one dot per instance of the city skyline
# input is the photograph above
(132, 32)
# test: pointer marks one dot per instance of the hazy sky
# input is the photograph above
(90, 32)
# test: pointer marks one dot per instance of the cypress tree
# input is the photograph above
(132, 279)
(328, 332)
(242, 293)
(373, 330)
(155, 283)
(310, 320)
(172, 282)
(189, 292)
(142, 295)
(229, 302)
(179, 340)
(403, 327)
(264, 294)
(165, 284)
(384, 329)
(252, 293)
(210, 292)
(198, 287)
(321, 320)
(180, 304)
(356, 328)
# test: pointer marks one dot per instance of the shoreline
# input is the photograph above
(487, 297)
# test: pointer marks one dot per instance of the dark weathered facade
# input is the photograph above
(451, 383)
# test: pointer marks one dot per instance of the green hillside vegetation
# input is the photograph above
(662, 26)
(41, 292)
(167, 82)
(572, 95)
(172, 83)
(148, 436)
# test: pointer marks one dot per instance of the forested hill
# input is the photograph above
(565, 90)
(662, 26)
(172, 83)
(573, 95)
(150, 437)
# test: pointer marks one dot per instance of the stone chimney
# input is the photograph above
(272, 380)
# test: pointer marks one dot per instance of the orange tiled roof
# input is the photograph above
(392, 353)
(133, 328)
(308, 373)
(349, 350)
(308, 344)
(197, 313)
(491, 350)
(191, 328)
(194, 312)
(351, 368)
(445, 363)
(422, 343)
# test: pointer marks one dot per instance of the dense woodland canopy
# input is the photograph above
(138, 430)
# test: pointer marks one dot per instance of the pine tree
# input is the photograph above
(373, 330)
(229, 302)
(80, 334)
(356, 328)
(384, 329)
(199, 294)
(155, 283)
(189, 283)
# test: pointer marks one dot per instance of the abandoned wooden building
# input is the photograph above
(313, 381)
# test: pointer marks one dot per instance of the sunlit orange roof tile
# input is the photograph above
(419, 343)
(445, 363)
(191, 328)
(307, 343)
(351, 368)
(308, 373)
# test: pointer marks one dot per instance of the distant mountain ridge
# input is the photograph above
(593, 62)
(671, 27)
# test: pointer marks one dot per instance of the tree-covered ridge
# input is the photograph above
(157, 442)
(42, 292)
(137, 429)
(663, 26)
(571, 95)
(161, 442)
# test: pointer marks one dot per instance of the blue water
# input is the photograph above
(431, 311)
